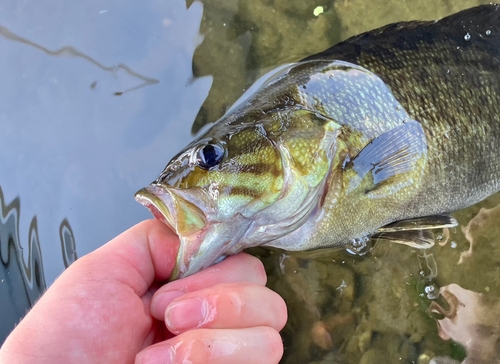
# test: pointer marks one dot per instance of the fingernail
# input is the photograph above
(161, 302)
(161, 354)
(186, 314)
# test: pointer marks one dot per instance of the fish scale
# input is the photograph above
(450, 107)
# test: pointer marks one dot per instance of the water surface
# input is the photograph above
(95, 97)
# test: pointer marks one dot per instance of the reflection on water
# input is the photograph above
(73, 52)
(22, 281)
(68, 247)
(71, 150)
(69, 147)
(471, 320)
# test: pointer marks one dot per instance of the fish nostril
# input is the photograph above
(163, 177)
(174, 167)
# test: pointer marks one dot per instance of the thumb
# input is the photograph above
(141, 255)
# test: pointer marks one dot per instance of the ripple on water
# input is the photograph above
(22, 281)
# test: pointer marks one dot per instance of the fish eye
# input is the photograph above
(209, 156)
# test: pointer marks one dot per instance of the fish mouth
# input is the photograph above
(147, 197)
(182, 213)
(171, 206)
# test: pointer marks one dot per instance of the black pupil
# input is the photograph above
(210, 155)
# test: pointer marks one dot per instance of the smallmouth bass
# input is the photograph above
(380, 135)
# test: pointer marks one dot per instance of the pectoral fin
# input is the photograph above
(400, 150)
(415, 232)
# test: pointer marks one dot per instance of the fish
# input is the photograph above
(380, 136)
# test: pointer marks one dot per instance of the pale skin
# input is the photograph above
(112, 306)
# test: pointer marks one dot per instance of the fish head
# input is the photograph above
(211, 193)
(240, 185)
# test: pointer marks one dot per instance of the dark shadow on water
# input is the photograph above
(22, 281)
(68, 247)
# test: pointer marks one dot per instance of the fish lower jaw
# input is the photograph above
(203, 249)
(189, 247)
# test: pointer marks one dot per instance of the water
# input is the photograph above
(97, 96)
(21, 282)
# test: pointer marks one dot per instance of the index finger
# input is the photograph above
(237, 268)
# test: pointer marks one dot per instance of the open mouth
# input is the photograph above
(149, 199)
(182, 216)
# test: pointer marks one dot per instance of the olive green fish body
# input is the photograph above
(394, 124)
(446, 75)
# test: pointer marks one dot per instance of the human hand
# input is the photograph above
(102, 309)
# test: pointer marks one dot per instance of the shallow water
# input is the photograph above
(92, 113)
